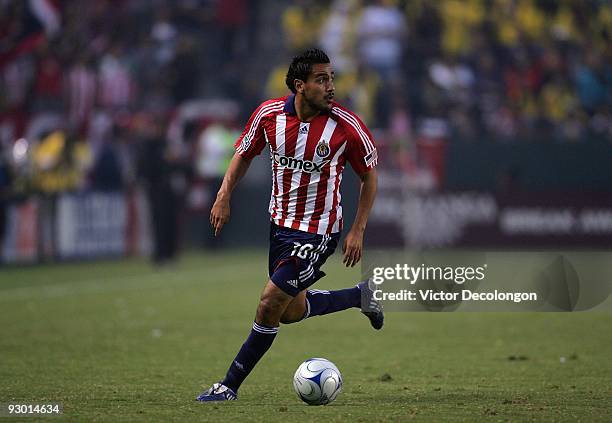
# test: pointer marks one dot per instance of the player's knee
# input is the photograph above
(269, 311)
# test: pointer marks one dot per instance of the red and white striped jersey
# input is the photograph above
(307, 161)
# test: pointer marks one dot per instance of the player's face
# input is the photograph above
(319, 88)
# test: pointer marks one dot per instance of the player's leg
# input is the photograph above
(272, 305)
(320, 302)
(315, 302)
(296, 310)
(277, 294)
(310, 303)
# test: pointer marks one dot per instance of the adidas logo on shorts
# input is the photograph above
(293, 283)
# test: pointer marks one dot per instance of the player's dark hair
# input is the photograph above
(301, 66)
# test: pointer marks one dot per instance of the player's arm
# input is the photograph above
(247, 146)
(353, 243)
(220, 212)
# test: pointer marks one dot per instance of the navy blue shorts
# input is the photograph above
(296, 257)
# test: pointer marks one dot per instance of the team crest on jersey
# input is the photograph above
(323, 149)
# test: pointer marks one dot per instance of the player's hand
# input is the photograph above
(351, 249)
(219, 214)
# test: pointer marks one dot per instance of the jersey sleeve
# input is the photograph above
(252, 140)
(361, 151)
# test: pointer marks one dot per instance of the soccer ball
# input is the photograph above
(317, 381)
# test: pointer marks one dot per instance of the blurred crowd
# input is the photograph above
(110, 94)
(96, 75)
(507, 70)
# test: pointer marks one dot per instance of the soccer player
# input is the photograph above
(310, 138)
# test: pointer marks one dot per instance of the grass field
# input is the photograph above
(122, 341)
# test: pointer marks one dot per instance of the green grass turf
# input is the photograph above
(122, 341)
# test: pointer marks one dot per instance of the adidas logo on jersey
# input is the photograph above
(303, 129)
(293, 163)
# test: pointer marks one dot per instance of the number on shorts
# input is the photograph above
(300, 250)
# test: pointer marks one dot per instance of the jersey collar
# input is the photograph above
(290, 105)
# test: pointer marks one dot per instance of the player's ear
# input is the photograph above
(299, 86)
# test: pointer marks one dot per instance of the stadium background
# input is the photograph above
(117, 117)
